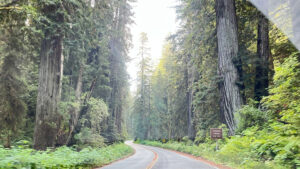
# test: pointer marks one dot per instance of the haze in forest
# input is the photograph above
(158, 25)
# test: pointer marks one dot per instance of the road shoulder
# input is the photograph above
(203, 160)
(123, 158)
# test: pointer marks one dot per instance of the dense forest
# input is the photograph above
(64, 83)
(226, 67)
(63, 71)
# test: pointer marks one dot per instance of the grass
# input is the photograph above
(63, 157)
(236, 153)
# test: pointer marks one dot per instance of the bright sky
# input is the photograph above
(157, 18)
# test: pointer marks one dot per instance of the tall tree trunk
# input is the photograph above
(47, 119)
(49, 92)
(190, 80)
(231, 100)
(115, 88)
(262, 63)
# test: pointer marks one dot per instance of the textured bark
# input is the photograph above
(116, 88)
(8, 140)
(49, 92)
(47, 121)
(191, 78)
(231, 100)
(116, 58)
(262, 63)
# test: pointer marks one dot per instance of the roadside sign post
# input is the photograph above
(216, 134)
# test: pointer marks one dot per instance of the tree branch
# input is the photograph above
(8, 8)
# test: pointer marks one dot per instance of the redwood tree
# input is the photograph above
(227, 37)
(262, 63)
(50, 77)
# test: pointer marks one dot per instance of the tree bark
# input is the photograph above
(50, 81)
(262, 63)
(190, 80)
(231, 100)
(8, 140)
(49, 93)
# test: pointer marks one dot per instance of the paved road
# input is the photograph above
(140, 160)
(144, 158)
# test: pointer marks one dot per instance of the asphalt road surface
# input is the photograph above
(147, 157)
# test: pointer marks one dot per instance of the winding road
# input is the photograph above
(147, 157)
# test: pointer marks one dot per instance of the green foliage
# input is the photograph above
(252, 116)
(87, 137)
(142, 108)
(89, 134)
(235, 153)
(269, 136)
(284, 94)
(62, 157)
(97, 111)
(14, 43)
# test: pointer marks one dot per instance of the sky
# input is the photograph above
(157, 18)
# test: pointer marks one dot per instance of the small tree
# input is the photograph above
(90, 130)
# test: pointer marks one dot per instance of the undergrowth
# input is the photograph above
(63, 157)
(243, 152)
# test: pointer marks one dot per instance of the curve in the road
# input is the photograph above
(154, 159)
(147, 157)
(142, 159)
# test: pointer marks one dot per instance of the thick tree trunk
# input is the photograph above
(47, 120)
(115, 92)
(231, 100)
(49, 92)
(262, 63)
(8, 140)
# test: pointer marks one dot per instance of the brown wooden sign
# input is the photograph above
(216, 133)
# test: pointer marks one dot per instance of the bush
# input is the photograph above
(251, 116)
(63, 157)
(284, 100)
(87, 138)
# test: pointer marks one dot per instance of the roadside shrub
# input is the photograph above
(284, 100)
(251, 116)
(86, 138)
(63, 157)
